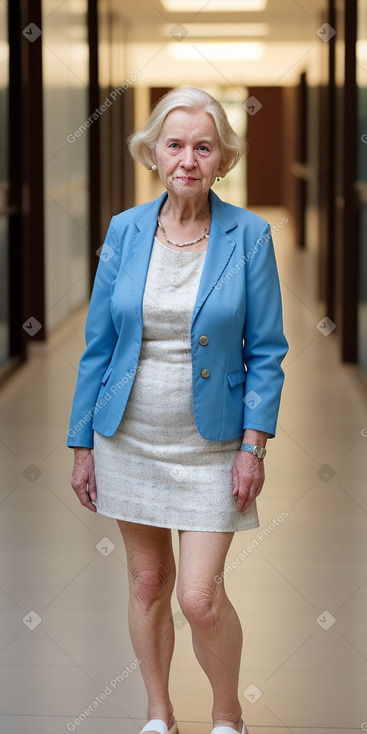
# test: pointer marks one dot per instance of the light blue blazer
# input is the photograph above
(236, 374)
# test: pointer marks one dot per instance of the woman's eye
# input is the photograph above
(173, 145)
(203, 147)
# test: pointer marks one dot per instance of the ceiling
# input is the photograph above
(288, 20)
(269, 47)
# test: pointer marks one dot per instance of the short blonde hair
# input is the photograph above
(141, 144)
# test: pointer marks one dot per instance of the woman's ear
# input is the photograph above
(221, 171)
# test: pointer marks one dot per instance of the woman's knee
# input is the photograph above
(151, 581)
(200, 606)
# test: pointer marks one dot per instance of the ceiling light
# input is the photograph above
(217, 51)
(214, 6)
(218, 30)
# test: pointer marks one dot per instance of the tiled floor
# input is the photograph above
(300, 590)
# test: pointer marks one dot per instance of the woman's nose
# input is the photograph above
(188, 159)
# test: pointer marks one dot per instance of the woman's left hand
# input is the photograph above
(248, 477)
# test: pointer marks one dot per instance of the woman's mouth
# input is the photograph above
(187, 179)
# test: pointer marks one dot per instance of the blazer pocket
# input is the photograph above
(106, 375)
(235, 378)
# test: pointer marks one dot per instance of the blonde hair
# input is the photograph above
(141, 144)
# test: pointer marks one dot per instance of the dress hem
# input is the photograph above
(175, 527)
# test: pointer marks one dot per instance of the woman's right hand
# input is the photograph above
(83, 479)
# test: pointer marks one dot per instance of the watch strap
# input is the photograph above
(253, 449)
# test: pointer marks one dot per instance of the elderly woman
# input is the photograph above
(178, 391)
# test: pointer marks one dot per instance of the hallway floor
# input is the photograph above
(300, 588)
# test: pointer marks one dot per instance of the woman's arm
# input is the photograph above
(265, 346)
(101, 338)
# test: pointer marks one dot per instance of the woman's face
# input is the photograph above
(188, 153)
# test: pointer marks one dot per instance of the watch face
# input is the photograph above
(260, 452)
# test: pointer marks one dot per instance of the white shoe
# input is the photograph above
(228, 730)
(159, 726)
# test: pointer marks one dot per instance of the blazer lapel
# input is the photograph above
(141, 249)
(220, 248)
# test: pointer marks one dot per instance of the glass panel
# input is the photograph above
(65, 74)
(4, 151)
(362, 176)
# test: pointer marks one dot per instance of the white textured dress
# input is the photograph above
(157, 469)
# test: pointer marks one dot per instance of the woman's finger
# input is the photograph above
(85, 499)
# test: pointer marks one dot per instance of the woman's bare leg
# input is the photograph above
(215, 626)
(151, 569)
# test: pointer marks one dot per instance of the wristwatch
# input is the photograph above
(258, 451)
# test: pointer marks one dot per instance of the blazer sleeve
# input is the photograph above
(265, 345)
(101, 338)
